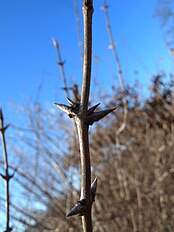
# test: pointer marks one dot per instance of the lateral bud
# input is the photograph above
(67, 109)
(60, 63)
(96, 116)
(79, 209)
(93, 189)
(74, 105)
(92, 109)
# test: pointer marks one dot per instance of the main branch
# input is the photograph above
(84, 118)
(82, 125)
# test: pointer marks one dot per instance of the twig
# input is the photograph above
(83, 118)
(61, 65)
(125, 115)
(81, 125)
(78, 28)
(112, 43)
(6, 177)
(118, 65)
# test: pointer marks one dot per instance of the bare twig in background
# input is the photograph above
(112, 44)
(146, 152)
(7, 176)
(120, 170)
(118, 65)
(78, 28)
(75, 93)
(61, 65)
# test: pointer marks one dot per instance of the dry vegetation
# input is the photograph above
(131, 154)
(135, 167)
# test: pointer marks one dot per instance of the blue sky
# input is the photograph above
(27, 55)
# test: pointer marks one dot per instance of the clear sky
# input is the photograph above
(27, 55)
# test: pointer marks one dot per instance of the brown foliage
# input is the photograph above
(134, 168)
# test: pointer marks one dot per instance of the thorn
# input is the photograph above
(78, 209)
(93, 189)
(96, 116)
(92, 109)
(66, 109)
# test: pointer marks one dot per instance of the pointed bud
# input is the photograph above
(93, 189)
(92, 109)
(75, 106)
(79, 209)
(71, 102)
(96, 116)
(66, 109)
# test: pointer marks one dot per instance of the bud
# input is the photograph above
(67, 109)
(93, 189)
(96, 116)
(92, 109)
(79, 209)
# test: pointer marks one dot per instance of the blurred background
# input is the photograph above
(131, 149)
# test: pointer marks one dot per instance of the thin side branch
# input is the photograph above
(112, 44)
(61, 65)
(6, 177)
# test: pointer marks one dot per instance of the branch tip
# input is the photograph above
(55, 43)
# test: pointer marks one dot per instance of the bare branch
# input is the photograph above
(6, 177)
